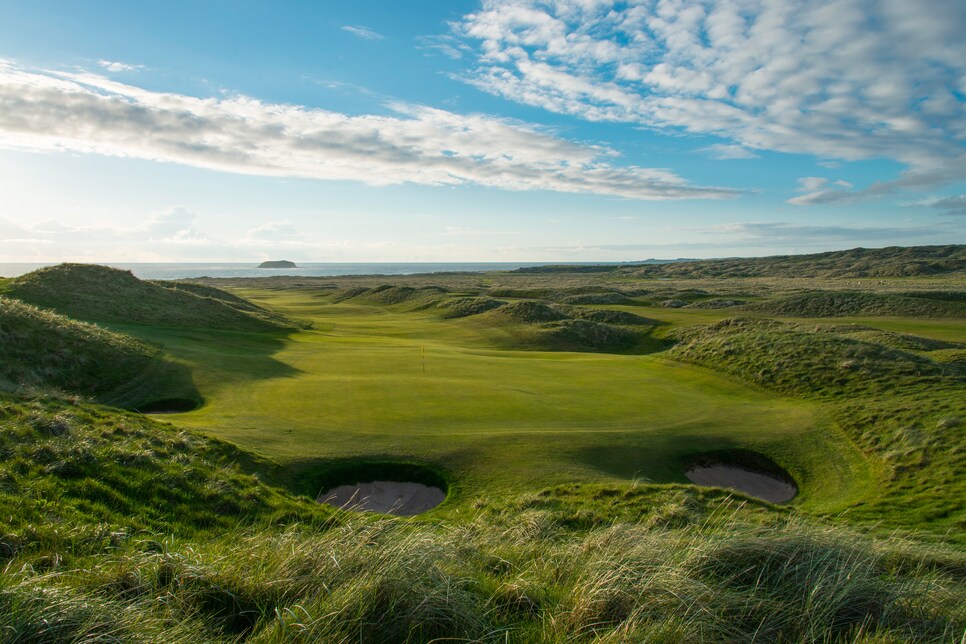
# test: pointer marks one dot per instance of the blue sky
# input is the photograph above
(507, 130)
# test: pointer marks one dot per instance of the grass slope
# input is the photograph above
(115, 527)
(905, 410)
(45, 351)
(846, 303)
(118, 528)
(105, 470)
(794, 359)
(102, 294)
(893, 261)
(380, 382)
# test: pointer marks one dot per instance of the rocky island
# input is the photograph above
(278, 263)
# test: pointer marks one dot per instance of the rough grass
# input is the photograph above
(608, 316)
(794, 359)
(583, 335)
(901, 341)
(893, 261)
(41, 350)
(846, 303)
(717, 303)
(102, 294)
(597, 298)
(467, 306)
(99, 549)
(900, 407)
(388, 294)
(527, 312)
(77, 476)
(143, 532)
(117, 528)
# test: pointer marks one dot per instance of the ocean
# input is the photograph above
(215, 269)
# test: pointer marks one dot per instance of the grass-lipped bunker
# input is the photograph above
(745, 471)
(402, 489)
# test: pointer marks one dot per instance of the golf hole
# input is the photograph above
(745, 471)
(401, 489)
(169, 406)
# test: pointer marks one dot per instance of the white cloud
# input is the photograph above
(724, 152)
(88, 113)
(839, 79)
(115, 67)
(810, 234)
(811, 184)
(173, 226)
(449, 46)
(363, 32)
(273, 231)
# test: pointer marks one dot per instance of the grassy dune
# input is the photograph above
(101, 294)
(98, 548)
(568, 517)
(41, 350)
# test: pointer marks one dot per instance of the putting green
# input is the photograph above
(369, 381)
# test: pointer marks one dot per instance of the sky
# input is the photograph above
(501, 130)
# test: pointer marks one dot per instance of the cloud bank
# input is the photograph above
(89, 113)
(839, 79)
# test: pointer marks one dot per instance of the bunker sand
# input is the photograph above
(388, 497)
(756, 484)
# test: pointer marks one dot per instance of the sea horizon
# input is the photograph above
(189, 270)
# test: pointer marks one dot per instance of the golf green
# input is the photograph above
(371, 382)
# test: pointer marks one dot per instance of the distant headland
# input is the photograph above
(278, 263)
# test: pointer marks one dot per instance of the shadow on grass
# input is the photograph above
(236, 356)
(311, 478)
(657, 459)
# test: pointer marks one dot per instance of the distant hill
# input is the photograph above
(102, 294)
(819, 304)
(894, 261)
(278, 263)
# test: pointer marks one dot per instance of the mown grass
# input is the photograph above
(388, 384)
(116, 527)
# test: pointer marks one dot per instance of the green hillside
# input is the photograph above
(896, 261)
(119, 528)
(102, 294)
(849, 303)
(47, 352)
(902, 407)
(559, 419)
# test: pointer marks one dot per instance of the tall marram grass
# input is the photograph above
(388, 580)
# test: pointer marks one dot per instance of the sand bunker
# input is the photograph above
(388, 497)
(756, 484)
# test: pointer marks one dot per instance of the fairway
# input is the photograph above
(372, 382)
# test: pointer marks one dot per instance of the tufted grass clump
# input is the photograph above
(529, 579)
